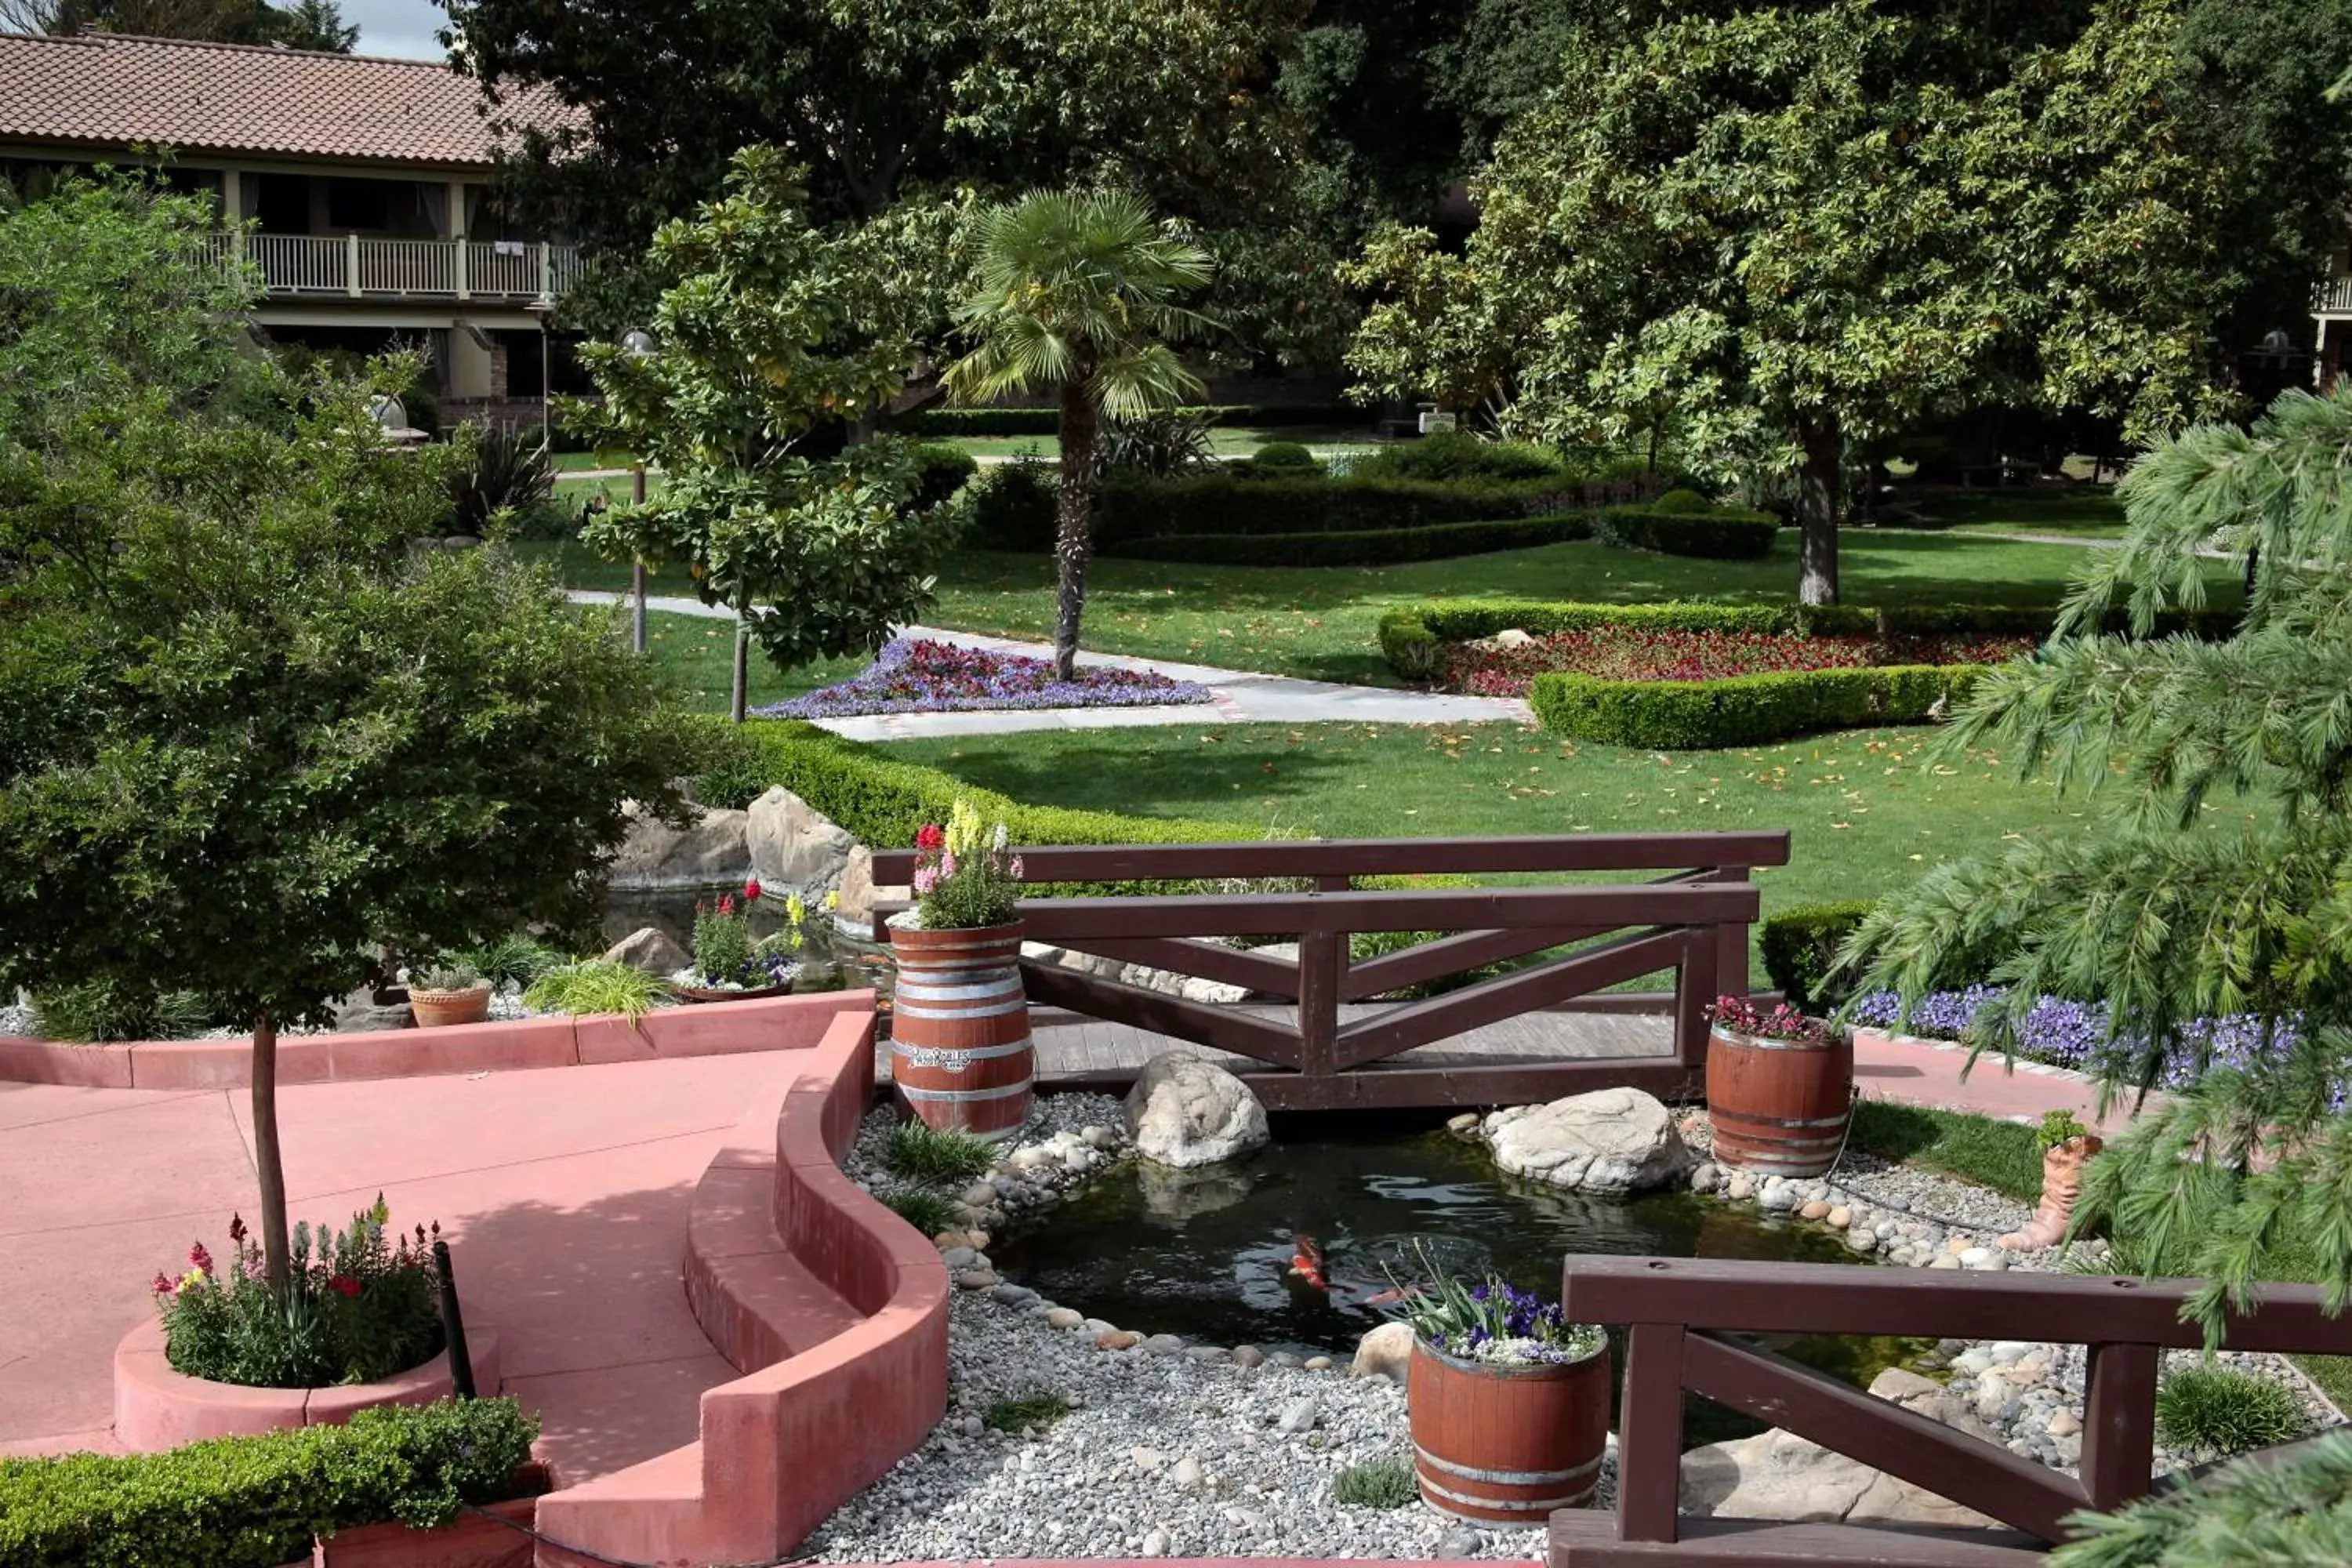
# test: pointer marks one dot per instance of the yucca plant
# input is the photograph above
(501, 474)
(1077, 293)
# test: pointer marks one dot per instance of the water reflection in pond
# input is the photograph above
(1207, 1254)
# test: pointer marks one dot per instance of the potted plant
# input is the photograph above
(448, 991)
(1779, 1087)
(959, 1051)
(730, 963)
(2066, 1147)
(1508, 1402)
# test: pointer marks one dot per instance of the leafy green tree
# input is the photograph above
(2215, 877)
(775, 334)
(882, 100)
(1077, 293)
(305, 24)
(1805, 229)
(248, 734)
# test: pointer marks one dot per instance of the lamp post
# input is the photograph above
(640, 344)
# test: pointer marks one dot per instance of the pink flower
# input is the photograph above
(931, 836)
(164, 1286)
(1015, 867)
(926, 879)
(751, 891)
(726, 903)
(199, 1259)
(947, 865)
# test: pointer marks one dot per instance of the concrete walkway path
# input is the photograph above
(1237, 696)
(1937, 1073)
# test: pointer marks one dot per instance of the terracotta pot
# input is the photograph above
(2061, 1184)
(959, 1051)
(469, 1540)
(1778, 1107)
(433, 1008)
(1504, 1445)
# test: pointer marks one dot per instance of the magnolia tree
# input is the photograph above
(775, 337)
(248, 734)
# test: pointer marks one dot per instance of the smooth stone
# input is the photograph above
(1206, 1352)
(979, 1194)
(1740, 1189)
(1163, 1344)
(1815, 1209)
(1157, 1545)
(978, 1237)
(1839, 1217)
(1117, 1340)
(1098, 1137)
(1012, 1295)
(1706, 1178)
(1463, 1125)
(1460, 1542)
(961, 1257)
(978, 1279)
(1317, 1363)
(650, 950)
(1062, 1318)
(2008, 1353)
(1861, 1241)
(1248, 1356)
(1188, 1474)
(1298, 1416)
(1150, 1460)
(2065, 1424)
(1385, 1351)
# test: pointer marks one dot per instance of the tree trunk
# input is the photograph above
(742, 668)
(1818, 484)
(1074, 537)
(267, 1167)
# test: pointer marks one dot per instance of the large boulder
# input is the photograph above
(859, 892)
(1779, 1475)
(1385, 1351)
(1184, 1111)
(650, 949)
(1609, 1142)
(707, 852)
(794, 847)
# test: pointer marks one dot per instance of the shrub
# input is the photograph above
(1031, 1410)
(516, 960)
(1800, 944)
(1279, 461)
(1294, 501)
(256, 1502)
(941, 471)
(879, 799)
(1010, 506)
(1746, 710)
(2219, 1412)
(1682, 503)
(1372, 547)
(595, 985)
(922, 1152)
(359, 1309)
(1454, 455)
(736, 772)
(503, 479)
(1713, 535)
(1385, 1482)
(1048, 421)
(1159, 445)
(927, 1209)
(100, 1010)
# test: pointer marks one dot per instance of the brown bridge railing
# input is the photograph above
(1679, 1309)
(1694, 920)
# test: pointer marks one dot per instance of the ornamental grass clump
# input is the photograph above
(1491, 1320)
(1741, 1016)
(921, 1152)
(965, 878)
(1385, 1482)
(596, 985)
(359, 1305)
(2219, 1412)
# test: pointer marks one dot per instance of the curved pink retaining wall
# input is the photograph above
(157, 1408)
(834, 1309)
(708, 1029)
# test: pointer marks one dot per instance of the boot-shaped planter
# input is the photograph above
(2062, 1184)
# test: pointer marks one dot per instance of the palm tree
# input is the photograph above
(1076, 290)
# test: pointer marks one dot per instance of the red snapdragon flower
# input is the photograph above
(164, 1286)
(931, 836)
(726, 903)
(199, 1259)
(751, 891)
(345, 1285)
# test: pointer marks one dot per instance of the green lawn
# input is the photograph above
(2087, 513)
(693, 652)
(1318, 622)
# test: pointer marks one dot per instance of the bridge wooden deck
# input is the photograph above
(1079, 1052)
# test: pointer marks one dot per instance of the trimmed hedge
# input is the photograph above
(1711, 535)
(1048, 421)
(257, 1502)
(1451, 456)
(1744, 709)
(881, 801)
(941, 471)
(1800, 944)
(1368, 547)
(1219, 505)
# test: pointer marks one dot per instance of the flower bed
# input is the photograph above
(2068, 1034)
(1641, 653)
(919, 675)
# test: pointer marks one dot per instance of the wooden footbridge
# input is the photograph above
(1552, 1022)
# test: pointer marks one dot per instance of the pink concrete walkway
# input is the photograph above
(563, 1194)
(1921, 1072)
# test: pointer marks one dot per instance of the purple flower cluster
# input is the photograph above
(919, 676)
(2069, 1034)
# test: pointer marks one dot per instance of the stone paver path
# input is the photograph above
(1237, 696)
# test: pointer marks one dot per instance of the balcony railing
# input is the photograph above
(2333, 298)
(300, 266)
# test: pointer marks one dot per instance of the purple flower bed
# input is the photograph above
(2066, 1034)
(925, 676)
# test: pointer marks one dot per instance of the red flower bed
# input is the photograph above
(1627, 653)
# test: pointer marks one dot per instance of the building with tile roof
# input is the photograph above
(360, 187)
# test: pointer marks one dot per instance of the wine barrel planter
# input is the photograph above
(1778, 1107)
(1502, 1444)
(959, 1051)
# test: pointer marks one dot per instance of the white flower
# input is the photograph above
(999, 837)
